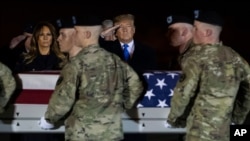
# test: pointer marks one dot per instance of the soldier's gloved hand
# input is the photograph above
(175, 123)
(167, 125)
(45, 125)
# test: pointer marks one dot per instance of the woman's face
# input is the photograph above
(45, 37)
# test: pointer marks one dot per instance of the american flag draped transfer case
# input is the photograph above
(34, 90)
(160, 89)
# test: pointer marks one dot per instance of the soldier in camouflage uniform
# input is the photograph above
(66, 45)
(94, 88)
(179, 35)
(213, 75)
(7, 86)
(180, 31)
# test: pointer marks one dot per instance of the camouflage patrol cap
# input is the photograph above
(210, 17)
(186, 16)
(88, 20)
(66, 22)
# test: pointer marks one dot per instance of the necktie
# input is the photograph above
(126, 52)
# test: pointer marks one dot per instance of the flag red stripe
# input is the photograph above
(33, 97)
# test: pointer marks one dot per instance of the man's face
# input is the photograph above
(65, 39)
(126, 31)
(198, 32)
(79, 36)
(174, 36)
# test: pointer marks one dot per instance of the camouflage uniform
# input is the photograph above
(7, 86)
(213, 75)
(94, 88)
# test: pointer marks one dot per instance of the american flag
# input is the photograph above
(160, 89)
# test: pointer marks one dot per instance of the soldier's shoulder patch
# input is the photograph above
(59, 81)
(182, 77)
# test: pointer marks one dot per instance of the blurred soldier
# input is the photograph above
(26, 37)
(213, 75)
(110, 36)
(66, 44)
(19, 45)
(180, 31)
(179, 35)
(66, 37)
(93, 89)
(7, 86)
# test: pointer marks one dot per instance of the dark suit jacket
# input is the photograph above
(11, 56)
(143, 58)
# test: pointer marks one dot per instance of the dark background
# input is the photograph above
(150, 19)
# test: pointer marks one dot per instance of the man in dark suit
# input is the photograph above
(137, 55)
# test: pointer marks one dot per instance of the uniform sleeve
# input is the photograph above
(184, 90)
(7, 86)
(242, 102)
(134, 88)
(63, 97)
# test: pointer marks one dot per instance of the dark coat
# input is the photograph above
(143, 57)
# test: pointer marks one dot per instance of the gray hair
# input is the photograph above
(107, 23)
